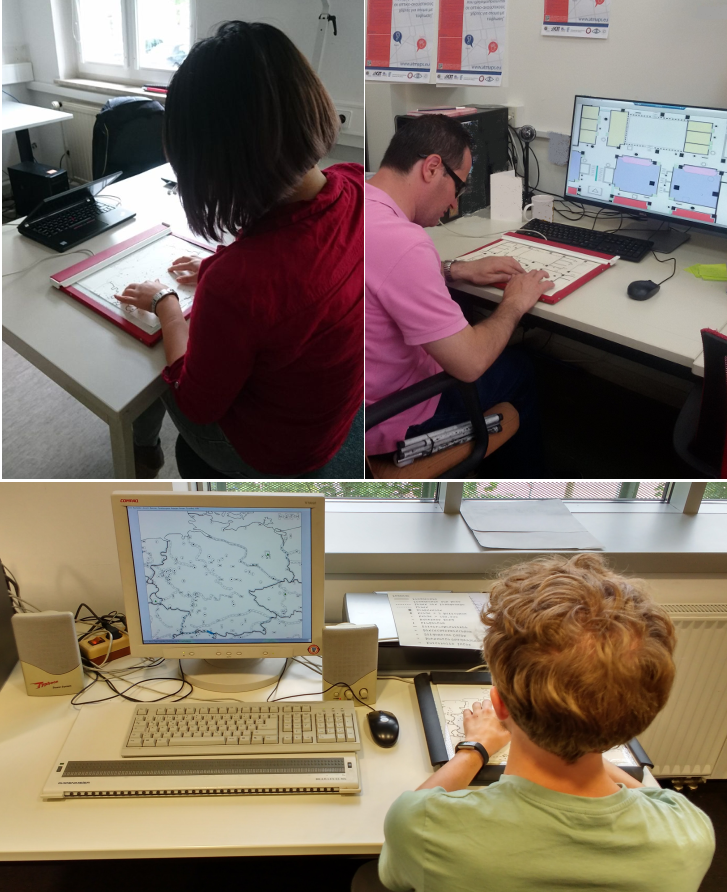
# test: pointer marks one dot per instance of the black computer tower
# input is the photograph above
(32, 182)
(488, 128)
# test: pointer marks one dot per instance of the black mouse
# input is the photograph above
(384, 728)
(642, 290)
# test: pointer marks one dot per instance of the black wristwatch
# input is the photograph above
(474, 745)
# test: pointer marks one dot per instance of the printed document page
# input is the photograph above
(425, 619)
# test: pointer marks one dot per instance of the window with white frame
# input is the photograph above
(137, 41)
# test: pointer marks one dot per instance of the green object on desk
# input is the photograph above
(711, 272)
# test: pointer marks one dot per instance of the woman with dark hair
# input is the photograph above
(267, 378)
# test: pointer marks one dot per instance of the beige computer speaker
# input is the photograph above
(48, 652)
(351, 655)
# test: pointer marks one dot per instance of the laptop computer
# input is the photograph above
(65, 220)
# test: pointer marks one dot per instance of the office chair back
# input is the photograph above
(456, 461)
(710, 440)
(700, 432)
(127, 136)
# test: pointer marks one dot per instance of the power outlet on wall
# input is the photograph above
(344, 116)
(514, 115)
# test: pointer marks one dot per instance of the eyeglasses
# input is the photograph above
(460, 185)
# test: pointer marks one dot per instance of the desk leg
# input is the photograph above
(122, 448)
(25, 147)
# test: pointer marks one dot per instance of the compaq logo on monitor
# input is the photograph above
(125, 501)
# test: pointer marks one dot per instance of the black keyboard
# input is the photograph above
(627, 248)
(70, 219)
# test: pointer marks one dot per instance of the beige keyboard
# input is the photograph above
(214, 729)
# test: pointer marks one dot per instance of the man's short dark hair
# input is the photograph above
(246, 118)
(427, 135)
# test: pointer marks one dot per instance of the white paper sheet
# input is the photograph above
(438, 620)
(526, 524)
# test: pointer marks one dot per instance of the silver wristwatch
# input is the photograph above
(447, 271)
(160, 295)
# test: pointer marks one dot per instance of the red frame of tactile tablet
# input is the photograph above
(547, 298)
(100, 308)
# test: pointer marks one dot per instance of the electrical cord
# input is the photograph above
(123, 694)
(336, 684)
(20, 605)
(667, 260)
(22, 272)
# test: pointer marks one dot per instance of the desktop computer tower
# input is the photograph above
(32, 182)
(488, 128)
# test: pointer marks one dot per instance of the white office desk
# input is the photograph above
(666, 327)
(32, 731)
(106, 369)
(19, 116)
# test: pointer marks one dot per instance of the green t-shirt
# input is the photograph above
(516, 836)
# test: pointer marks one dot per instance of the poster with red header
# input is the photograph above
(576, 18)
(471, 38)
(399, 40)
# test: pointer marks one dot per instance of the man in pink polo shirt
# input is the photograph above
(413, 327)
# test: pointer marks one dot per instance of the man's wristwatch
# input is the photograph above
(447, 271)
(474, 745)
(160, 295)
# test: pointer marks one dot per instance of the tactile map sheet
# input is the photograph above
(452, 700)
(148, 263)
(563, 267)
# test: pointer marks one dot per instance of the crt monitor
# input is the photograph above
(230, 584)
(658, 161)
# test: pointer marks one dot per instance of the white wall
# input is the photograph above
(658, 50)
(58, 540)
(37, 23)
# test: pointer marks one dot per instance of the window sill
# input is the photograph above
(106, 88)
(391, 542)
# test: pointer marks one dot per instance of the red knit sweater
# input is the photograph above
(275, 351)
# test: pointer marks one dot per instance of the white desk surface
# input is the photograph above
(33, 730)
(19, 116)
(666, 326)
(105, 368)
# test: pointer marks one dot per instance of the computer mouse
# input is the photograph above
(642, 290)
(384, 727)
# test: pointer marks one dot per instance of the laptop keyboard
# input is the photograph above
(71, 219)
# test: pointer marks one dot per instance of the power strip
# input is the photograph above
(96, 646)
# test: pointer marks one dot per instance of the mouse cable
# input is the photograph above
(336, 684)
(667, 260)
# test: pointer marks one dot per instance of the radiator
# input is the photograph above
(78, 135)
(686, 738)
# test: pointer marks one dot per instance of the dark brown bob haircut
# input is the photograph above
(246, 118)
(581, 656)
(427, 135)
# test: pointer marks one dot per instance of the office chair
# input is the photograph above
(127, 136)
(700, 432)
(456, 461)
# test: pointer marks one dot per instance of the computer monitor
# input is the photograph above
(653, 160)
(230, 584)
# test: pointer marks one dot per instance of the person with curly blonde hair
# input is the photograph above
(581, 661)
